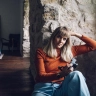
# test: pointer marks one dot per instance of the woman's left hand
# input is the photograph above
(70, 67)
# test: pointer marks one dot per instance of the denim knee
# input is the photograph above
(77, 74)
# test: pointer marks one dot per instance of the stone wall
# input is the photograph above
(78, 16)
(26, 37)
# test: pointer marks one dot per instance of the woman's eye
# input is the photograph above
(58, 36)
(64, 38)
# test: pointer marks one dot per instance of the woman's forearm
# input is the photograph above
(76, 34)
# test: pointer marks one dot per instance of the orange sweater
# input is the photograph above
(47, 67)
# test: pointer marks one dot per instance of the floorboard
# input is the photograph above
(15, 76)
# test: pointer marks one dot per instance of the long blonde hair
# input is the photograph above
(66, 53)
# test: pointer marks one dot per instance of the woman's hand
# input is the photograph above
(71, 33)
(66, 70)
(75, 34)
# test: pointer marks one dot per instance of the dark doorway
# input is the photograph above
(11, 22)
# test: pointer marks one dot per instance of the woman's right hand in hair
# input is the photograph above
(75, 34)
(71, 33)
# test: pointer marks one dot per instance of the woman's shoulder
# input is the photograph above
(40, 51)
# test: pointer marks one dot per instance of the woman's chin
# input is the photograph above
(59, 47)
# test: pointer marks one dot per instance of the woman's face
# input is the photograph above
(59, 41)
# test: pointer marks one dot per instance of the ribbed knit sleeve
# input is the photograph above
(89, 45)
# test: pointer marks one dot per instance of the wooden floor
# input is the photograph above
(15, 77)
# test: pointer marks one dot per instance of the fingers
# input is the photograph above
(65, 70)
(71, 69)
(71, 33)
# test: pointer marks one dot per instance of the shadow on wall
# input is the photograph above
(36, 24)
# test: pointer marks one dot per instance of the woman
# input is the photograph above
(50, 79)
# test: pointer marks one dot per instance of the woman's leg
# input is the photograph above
(38, 94)
(44, 89)
(73, 85)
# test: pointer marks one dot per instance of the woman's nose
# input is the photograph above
(61, 39)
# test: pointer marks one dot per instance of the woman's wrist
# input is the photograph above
(78, 35)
